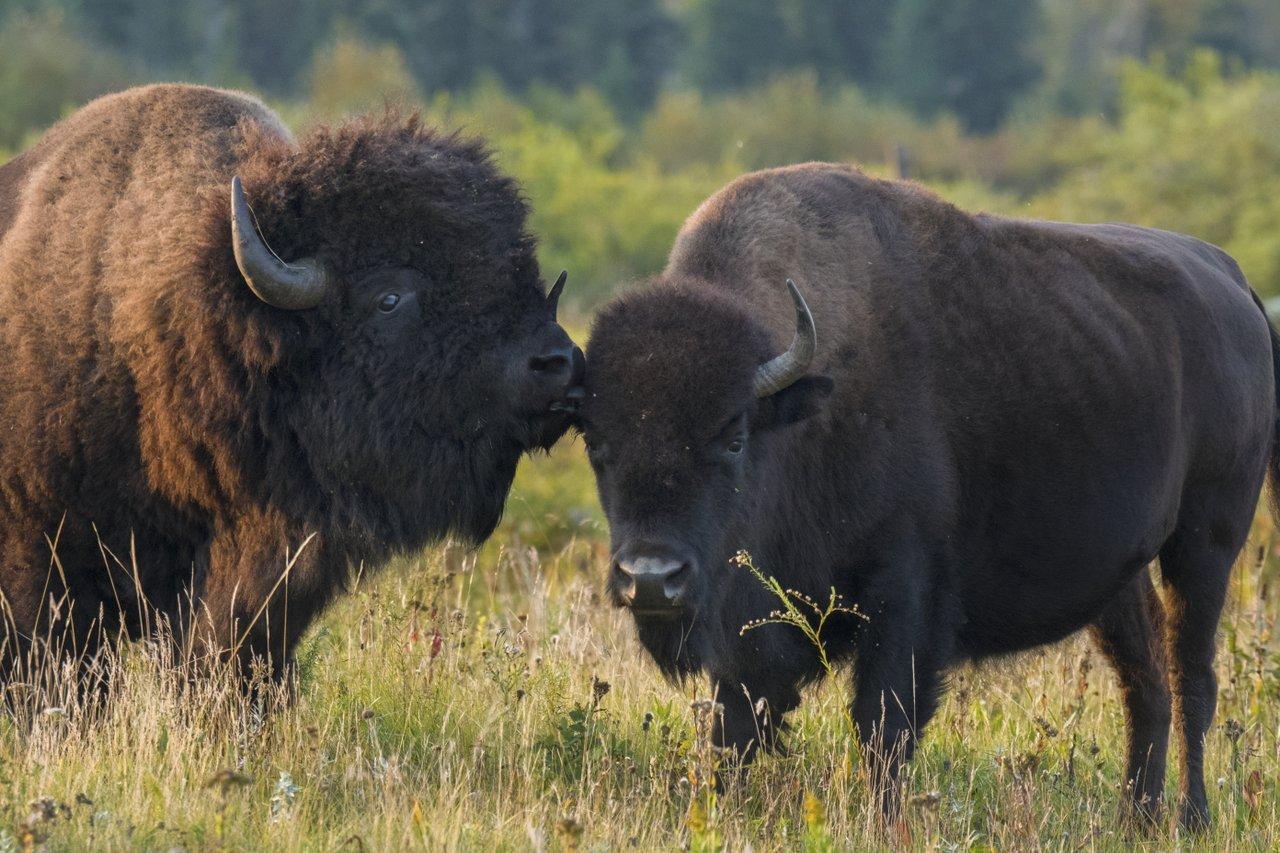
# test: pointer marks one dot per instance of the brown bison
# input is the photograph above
(981, 437)
(229, 352)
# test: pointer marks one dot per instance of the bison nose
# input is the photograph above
(558, 359)
(651, 583)
(552, 362)
(555, 372)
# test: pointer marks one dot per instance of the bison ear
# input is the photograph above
(801, 399)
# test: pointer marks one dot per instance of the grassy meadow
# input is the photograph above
(491, 700)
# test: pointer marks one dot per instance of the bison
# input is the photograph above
(980, 437)
(240, 364)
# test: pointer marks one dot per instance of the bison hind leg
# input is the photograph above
(1195, 569)
(1130, 632)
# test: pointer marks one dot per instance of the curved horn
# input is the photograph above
(779, 372)
(553, 298)
(293, 287)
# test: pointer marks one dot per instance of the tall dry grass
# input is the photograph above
(492, 700)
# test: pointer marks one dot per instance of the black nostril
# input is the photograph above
(550, 363)
(649, 582)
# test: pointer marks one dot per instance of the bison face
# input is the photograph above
(683, 410)
(418, 353)
(519, 390)
(418, 408)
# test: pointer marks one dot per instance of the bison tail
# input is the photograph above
(1273, 465)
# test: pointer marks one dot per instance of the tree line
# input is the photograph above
(980, 60)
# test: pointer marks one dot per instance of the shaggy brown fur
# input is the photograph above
(1022, 416)
(174, 440)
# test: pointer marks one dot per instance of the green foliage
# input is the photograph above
(620, 46)
(976, 59)
(603, 213)
(353, 76)
(583, 732)
(1084, 43)
(47, 70)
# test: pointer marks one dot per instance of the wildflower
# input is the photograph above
(1045, 726)
(927, 801)
(1233, 729)
(286, 791)
(224, 780)
(569, 831)
(815, 813)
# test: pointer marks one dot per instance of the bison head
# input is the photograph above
(685, 399)
(412, 352)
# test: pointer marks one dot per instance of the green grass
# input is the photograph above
(493, 701)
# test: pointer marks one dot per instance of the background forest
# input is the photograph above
(620, 115)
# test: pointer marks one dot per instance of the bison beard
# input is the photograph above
(178, 440)
(1004, 423)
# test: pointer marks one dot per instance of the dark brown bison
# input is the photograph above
(993, 430)
(228, 352)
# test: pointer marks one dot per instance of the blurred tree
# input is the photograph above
(46, 70)
(736, 43)
(1244, 30)
(264, 42)
(352, 76)
(272, 41)
(974, 58)
(967, 56)
(1083, 43)
(623, 47)
(444, 39)
(1080, 49)
(839, 39)
(158, 34)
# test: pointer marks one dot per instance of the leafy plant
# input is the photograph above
(810, 620)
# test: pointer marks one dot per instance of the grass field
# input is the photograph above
(492, 701)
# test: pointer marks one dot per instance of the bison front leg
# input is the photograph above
(897, 683)
(261, 591)
(749, 719)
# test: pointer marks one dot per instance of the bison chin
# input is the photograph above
(546, 429)
(673, 643)
(493, 470)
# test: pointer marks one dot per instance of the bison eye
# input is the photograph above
(734, 446)
(387, 302)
